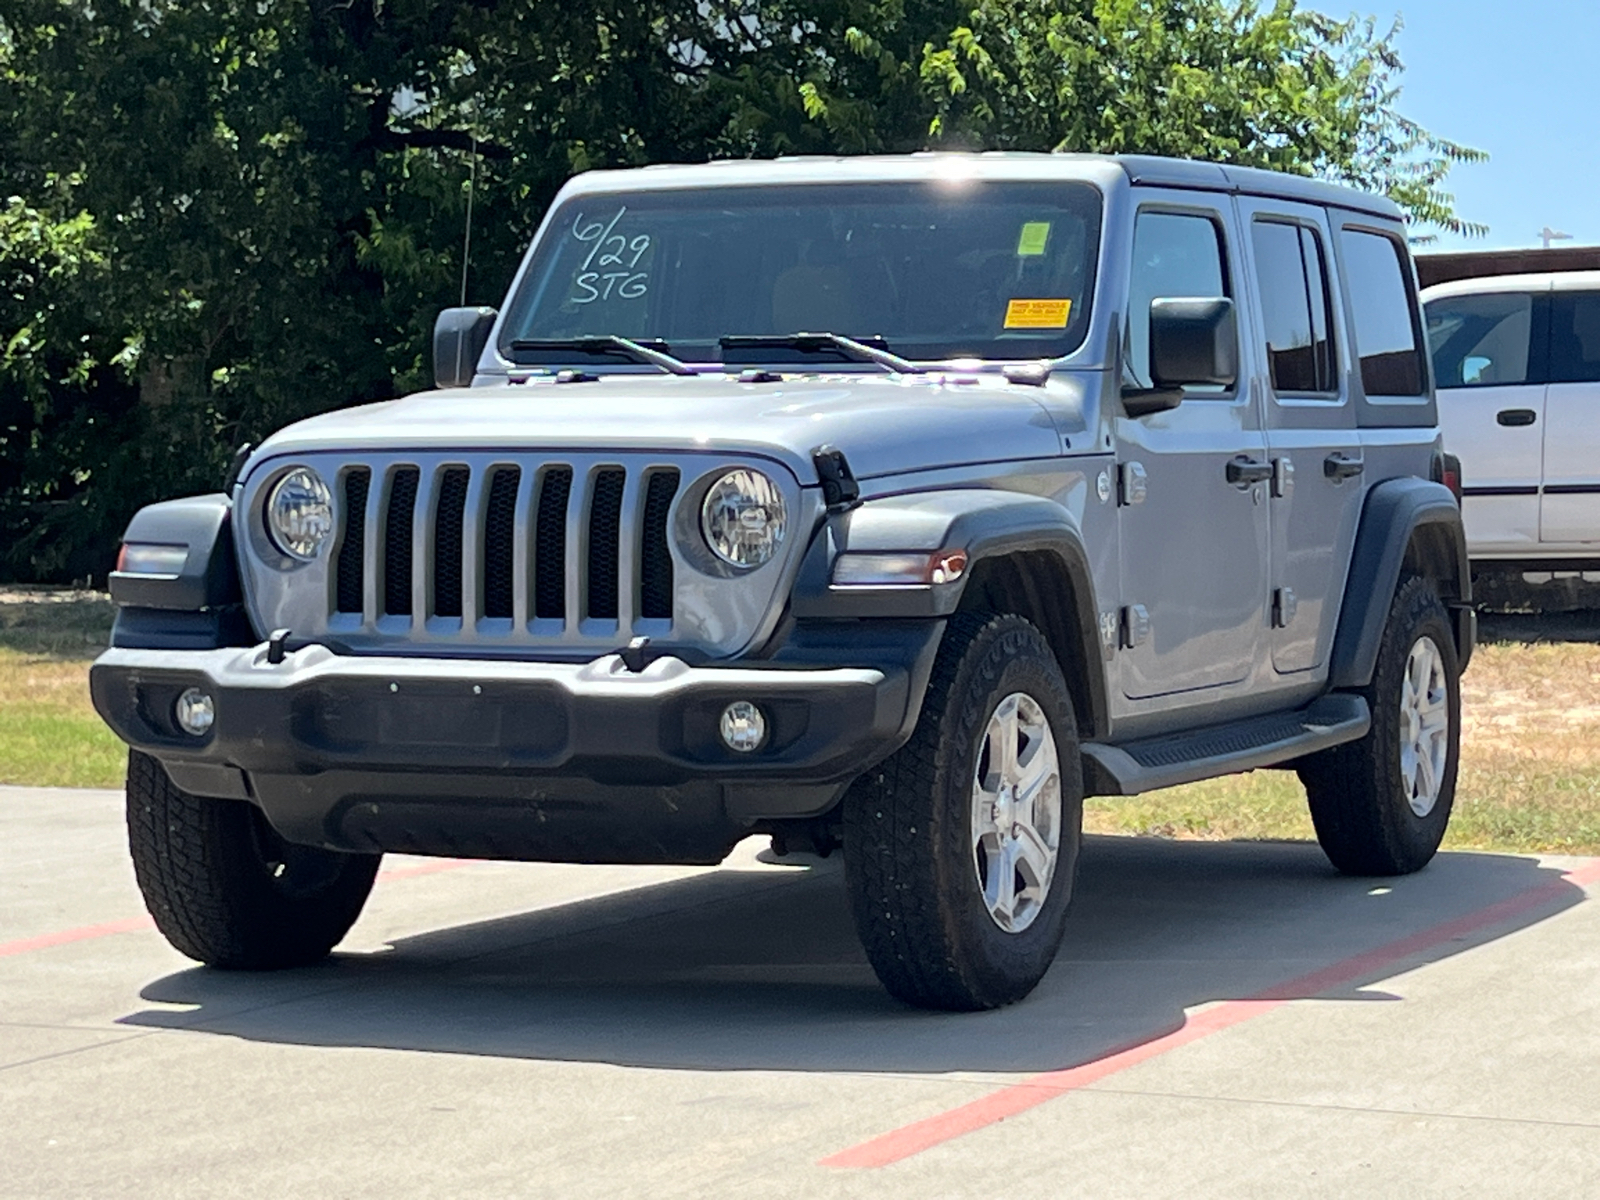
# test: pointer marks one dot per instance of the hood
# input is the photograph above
(886, 425)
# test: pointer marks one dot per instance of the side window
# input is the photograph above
(1292, 274)
(1575, 337)
(1174, 255)
(1386, 331)
(1481, 341)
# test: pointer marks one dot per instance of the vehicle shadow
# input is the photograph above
(740, 970)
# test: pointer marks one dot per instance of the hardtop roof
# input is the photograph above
(1144, 170)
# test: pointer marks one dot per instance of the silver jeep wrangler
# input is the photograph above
(886, 504)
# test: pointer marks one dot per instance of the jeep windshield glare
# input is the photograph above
(928, 271)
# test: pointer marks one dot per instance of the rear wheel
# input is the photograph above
(961, 850)
(1381, 804)
(225, 888)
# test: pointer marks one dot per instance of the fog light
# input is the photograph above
(743, 726)
(195, 712)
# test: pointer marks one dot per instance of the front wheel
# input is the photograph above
(1380, 805)
(225, 889)
(961, 849)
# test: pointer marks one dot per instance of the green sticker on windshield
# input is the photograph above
(1034, 236)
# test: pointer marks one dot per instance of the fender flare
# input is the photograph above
(989, 526)
(1396, 512)
(201, 607)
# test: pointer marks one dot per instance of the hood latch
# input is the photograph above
(840, 491)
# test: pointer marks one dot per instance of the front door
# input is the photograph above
(1194, 541)
(1569, 510)
(1318, 471)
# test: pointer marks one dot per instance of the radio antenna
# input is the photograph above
(466, 241)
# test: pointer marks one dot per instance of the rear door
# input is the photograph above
(1569, 511)
(1317, 480)
(1488, 354)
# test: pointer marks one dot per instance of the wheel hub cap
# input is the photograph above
(1016, 812)
(1424, 726)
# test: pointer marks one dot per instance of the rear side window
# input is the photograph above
(1293, 278)
(1175, 255)
(1385, 324)
(1481, 341)
(1575, 337)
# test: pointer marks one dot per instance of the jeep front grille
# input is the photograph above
(469, 549)
(486, 553)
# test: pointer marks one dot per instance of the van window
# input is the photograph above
(1480, 341)
(1175, 255)
(1294, 307)
(1385, 333)
(1575, 337)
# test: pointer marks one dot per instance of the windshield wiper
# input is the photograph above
(605, 345)
(822, 343)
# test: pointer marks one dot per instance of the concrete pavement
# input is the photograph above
(1224, 1019)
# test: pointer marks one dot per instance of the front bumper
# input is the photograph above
(534, 760)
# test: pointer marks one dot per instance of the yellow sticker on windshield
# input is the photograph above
(1038, 314)
(1032, 241)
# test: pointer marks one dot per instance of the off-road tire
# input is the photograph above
(1360, 804)
(909, 868)
(225, 889)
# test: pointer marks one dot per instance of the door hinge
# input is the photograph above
(1135, 625)
(1284, 605)
(1282, 478)
(1133, 483)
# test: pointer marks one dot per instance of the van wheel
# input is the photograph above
(962, 848)
(1381, 804)
(225, 889)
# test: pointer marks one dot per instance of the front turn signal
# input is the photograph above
(898, 569)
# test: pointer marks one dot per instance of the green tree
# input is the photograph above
(219, 216)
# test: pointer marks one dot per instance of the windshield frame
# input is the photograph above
(530, 279)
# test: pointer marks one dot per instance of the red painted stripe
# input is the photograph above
(138, 924)
(427, 868)
(62, 936)
(1016, 1098)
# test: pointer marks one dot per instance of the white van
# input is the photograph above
(1516, 360)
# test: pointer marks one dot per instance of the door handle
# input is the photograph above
(1243, 470)
(1516, 416)
(1342, 466)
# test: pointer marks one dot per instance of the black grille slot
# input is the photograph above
(499, 529)
(448, 532)
(357, 483)
(397, 542)
(605, 542)
(550, 545)
(655, 559)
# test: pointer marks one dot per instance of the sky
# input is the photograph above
(1521, 80)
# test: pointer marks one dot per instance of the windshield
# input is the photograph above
(927, 270)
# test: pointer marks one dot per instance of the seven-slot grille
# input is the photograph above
(558, 548)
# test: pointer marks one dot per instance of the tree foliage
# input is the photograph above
(218, 216)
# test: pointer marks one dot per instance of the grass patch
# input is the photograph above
(49, 732)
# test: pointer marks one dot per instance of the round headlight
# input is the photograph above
(300, 513)
(743, 518)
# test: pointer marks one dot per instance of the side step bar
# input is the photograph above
(1166, 761)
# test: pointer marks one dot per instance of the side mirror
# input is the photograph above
(459, 336)
(1193, 342)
